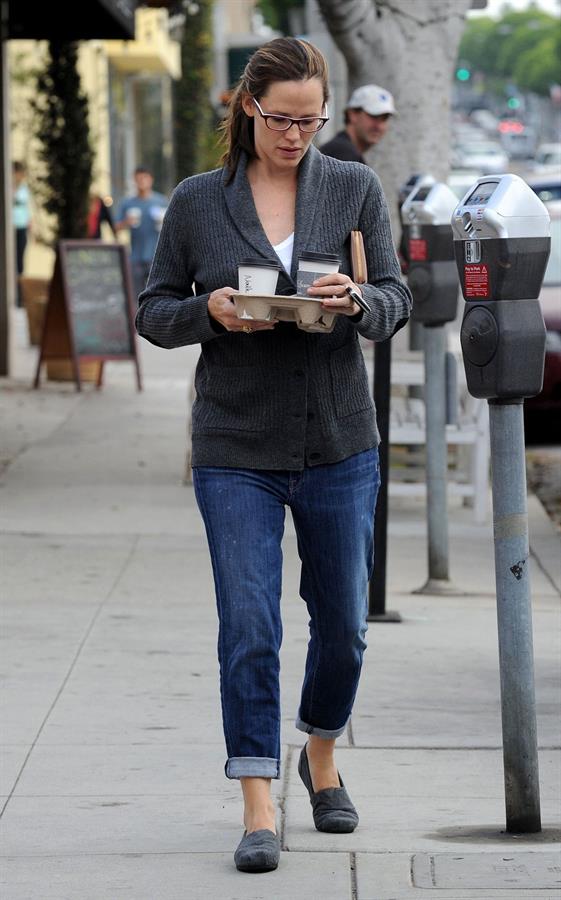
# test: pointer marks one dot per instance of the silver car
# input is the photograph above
(485, 157)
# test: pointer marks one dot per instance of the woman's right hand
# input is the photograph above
(221, 307)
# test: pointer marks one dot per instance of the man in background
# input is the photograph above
(367, 118)
(142, 214)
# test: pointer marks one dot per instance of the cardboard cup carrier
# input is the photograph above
(257, 299)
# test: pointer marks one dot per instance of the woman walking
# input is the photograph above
(282, 418)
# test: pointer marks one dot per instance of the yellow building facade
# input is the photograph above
(129, 90)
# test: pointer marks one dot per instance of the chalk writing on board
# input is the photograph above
(98, 301)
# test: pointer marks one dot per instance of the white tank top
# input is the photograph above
(284, 251)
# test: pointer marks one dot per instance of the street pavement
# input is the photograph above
(112, 751)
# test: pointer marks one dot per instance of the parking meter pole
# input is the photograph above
(437, 461)
(502, 243)
(377, 588)
(514, 617)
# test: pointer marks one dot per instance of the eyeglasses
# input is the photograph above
(309, 124)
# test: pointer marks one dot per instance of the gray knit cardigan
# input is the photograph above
(286, 398)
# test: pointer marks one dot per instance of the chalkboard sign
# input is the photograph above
(90, 309)
(98, 300)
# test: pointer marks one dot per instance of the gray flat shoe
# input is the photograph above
(332, 808)
(258, 851)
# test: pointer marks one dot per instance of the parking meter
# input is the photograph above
(402, 195)
(408, 186)
(433, 281)
(501, 241)
(432, 275)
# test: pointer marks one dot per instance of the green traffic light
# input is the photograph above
(463, 74)
(513, 103)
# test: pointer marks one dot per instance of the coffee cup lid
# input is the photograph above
(260, 263)
(320, 257)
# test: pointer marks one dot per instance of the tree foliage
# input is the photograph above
(194, 115)
(62, 130)
(277, 13)
(523, 48)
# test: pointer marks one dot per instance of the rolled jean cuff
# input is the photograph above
(252, 766)
(320, 732)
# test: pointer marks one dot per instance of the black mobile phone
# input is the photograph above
(357, 299)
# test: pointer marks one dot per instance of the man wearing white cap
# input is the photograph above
(367, 116)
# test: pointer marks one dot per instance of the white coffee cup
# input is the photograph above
(257, 276)
(157, 214)
(312, 266)
(134, 215)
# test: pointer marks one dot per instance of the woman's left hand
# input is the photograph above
(332, 288)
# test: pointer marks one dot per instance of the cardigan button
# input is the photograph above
(315, 455)
(299, 373)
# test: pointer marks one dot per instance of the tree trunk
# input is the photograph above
(193, 111)
(410, 48)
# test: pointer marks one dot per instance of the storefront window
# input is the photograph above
(141, 130)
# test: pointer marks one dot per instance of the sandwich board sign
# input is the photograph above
(89, 315)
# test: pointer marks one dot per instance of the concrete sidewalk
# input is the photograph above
(112, 749)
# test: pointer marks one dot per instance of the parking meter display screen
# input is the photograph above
(421, 194)
(482, 193)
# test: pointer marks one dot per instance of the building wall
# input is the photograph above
(237, 15)
(25, 58)
(94, 73)
(142, 65)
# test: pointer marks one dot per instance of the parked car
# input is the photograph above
(547, 187)
(544, 411)
(485, 157)
(485, 119)
(548, 155)
(519, 144)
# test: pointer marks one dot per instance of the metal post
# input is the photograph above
(514, 616)
(7, 255)
(436, 462)
(377, 587)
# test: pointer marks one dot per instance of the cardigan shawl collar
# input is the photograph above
(310, 196)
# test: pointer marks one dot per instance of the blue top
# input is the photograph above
(21, 211)
(144, 225)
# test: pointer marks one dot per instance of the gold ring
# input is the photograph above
(246, 329)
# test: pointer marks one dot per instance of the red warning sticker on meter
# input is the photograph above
(476, 281)
(417, 250)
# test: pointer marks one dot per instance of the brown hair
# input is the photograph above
(283, 59)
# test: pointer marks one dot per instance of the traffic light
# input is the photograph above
(513, 103)
(463, 74)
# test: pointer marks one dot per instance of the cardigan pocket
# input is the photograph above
(349, 381)
(235, 398)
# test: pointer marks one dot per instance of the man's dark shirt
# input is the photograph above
(341, 147)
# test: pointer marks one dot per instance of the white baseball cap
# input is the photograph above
(373, 99)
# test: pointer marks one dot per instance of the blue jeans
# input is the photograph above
(243, 511)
